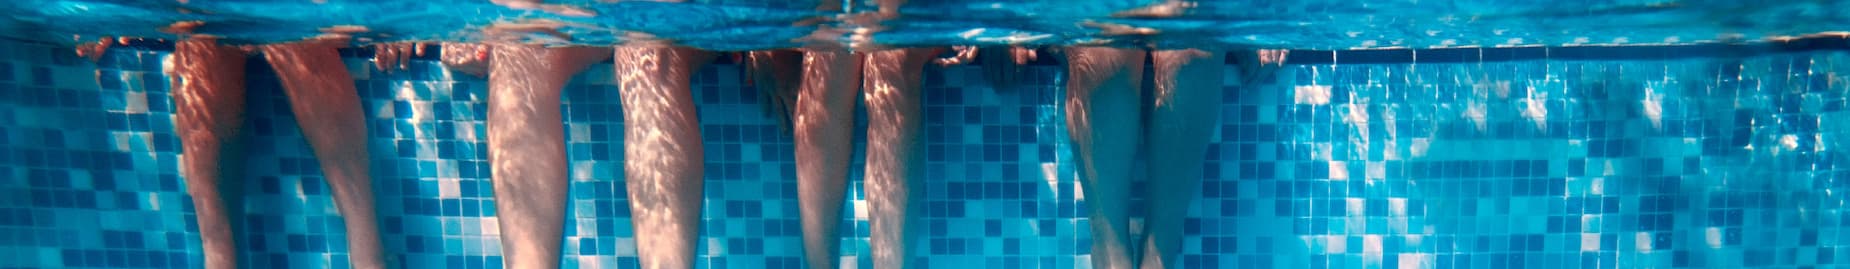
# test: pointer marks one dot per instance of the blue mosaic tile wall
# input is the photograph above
(1538, 163)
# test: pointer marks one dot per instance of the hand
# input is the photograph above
(389, 56)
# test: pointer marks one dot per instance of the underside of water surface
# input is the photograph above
(762, 24)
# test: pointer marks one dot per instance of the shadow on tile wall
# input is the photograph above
(1540, 163)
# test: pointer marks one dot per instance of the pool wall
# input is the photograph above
(1507, 159)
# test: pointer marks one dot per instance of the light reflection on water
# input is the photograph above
(744, 24)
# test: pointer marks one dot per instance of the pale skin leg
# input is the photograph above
(893, 164)
(1103, 119)
(812, 92)
(823, 118)
(1188, 93)
(824, 130)
(662, 151)
(327, 107)
(526, 147)
(208, 88)
(824, 121)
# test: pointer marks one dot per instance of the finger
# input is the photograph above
(404, 56)
(379, 58)
(1023, 55)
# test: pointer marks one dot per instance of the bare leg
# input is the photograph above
(209, 87)
(893, 168)
(824, 120)
(1188, 91)
(1102, 117)
(526, 146)
(776, 74)
(328, 108)
(662, 151)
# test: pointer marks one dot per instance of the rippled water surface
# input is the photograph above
(758, 24)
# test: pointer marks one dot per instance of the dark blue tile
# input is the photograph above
(41, 76)
(1379, 56)
(1515, 54)
(1449, 55)
(1301, 57)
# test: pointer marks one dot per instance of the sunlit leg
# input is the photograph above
(208, 88)
(1103, 119)
(526, 147)
(893, 164)
(824, 141)
(662, 151)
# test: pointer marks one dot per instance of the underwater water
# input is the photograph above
(1504, 139)
(760, 24)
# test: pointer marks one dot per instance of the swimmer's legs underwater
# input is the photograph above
(322, 95)
(824, 121)
(1182, 120)
(894, 167)
(526, 147)
(208, 91)
(1103, 119)
(663, 155)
